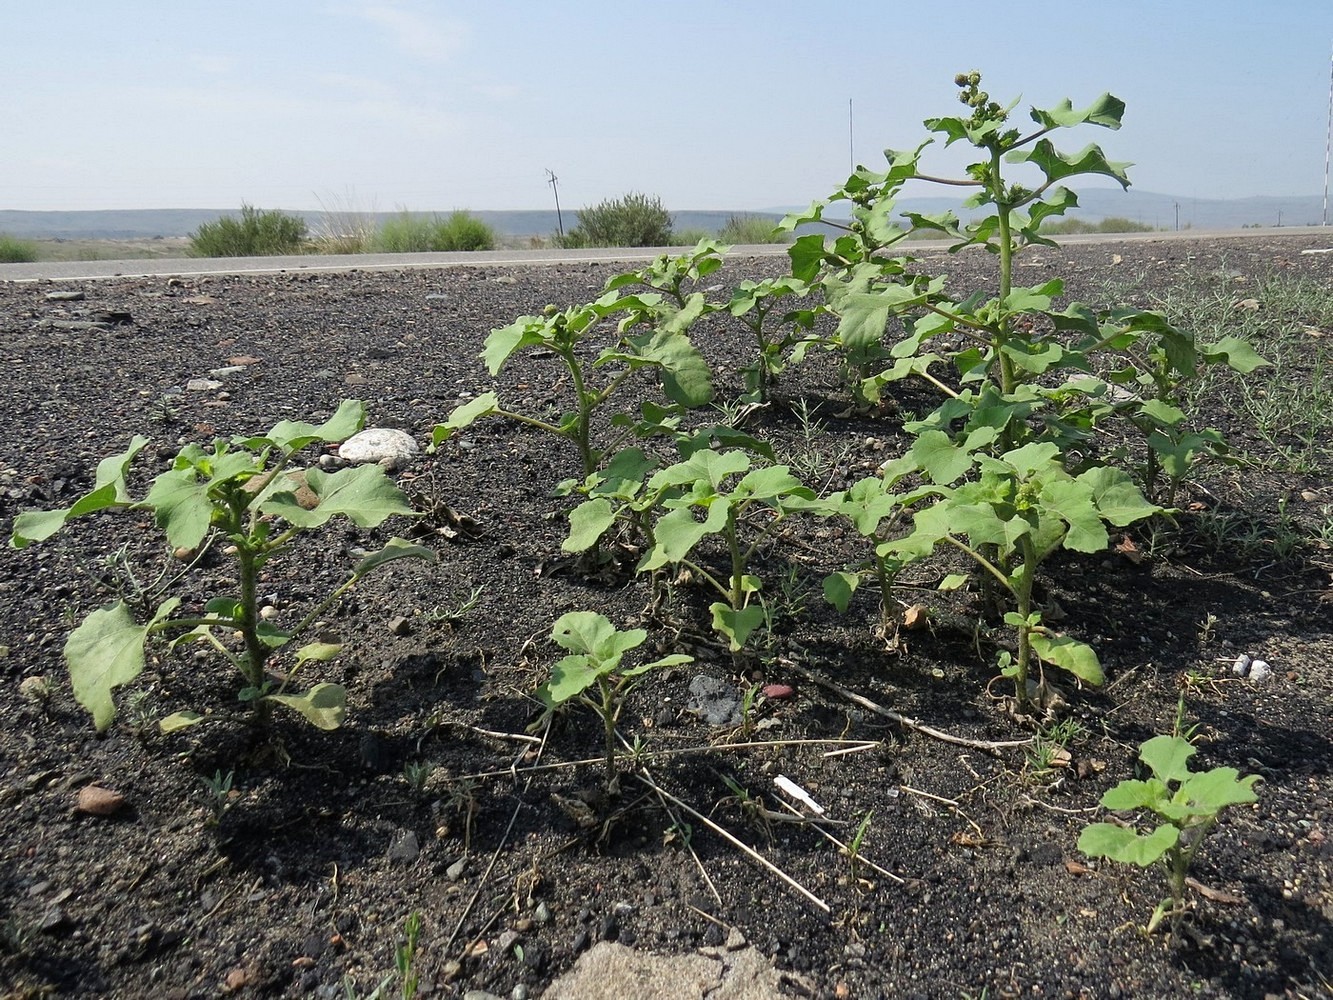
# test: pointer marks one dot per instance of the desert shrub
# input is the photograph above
(462, 231)
(1111, 224)
(16, 251)
(408, 233)
(750, 229)
(254, 234)
(690, 237)
(405, 233)
(636, 220)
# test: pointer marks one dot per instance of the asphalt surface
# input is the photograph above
(184, 267)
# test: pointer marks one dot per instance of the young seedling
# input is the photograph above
(594, 665)
(246, 491)
(1188, 804)
(753, 303)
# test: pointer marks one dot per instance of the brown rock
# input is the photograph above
(98, 801)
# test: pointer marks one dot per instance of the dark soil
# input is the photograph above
(305, 871)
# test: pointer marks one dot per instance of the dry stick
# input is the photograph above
(674, 752)
(861, 858)
(990, 746)
(689, 846)
(745, 848)
(495, 856)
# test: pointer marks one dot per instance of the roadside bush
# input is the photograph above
(462, 231)
(636, 220)
(750, 229)
(1111, 224)
(690, 237)
(16, 251)
(254, 234)
(408, 233)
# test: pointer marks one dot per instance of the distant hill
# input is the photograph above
(1146, 207)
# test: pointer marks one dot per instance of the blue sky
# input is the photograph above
(726, 104)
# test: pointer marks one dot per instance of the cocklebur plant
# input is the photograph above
(754, 303)
(1023, 506)
(706, 484)
(1188, 805)
(874, 512)
(246, 491)
(593, 673)
(651, 332)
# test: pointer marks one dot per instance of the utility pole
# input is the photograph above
(552, 180)
(1177, 207)
(1328, 138)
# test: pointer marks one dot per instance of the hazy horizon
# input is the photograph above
(374, 105)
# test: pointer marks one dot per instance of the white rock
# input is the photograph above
(1260, 671)
(1242, 665)
(387, 446)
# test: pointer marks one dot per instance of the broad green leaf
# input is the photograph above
(270, 635)
(181, 506)
(177, 721)
(865, 315)
(1168, 757)
(1212, 791)
(670, 660)
(676, 533)
(1118, 498)
(502, 343)
(1072, 501)
(109, 490)
(953, 581)
(839, 587)
(1057, 165)
(623, 473)
(1078, 658)
(1133, 794)
(463, 415)
(394, 548)
(363, 494)
(323, 706)
(941, 459)
(106, 651)
(570, 677)
(1162, 412)
(1106, 840)
(770, 483)
(587, 523)
(317, 651)
(806, 253)
(291, 435)
(1032, 458)
(1107, 111)
(735, 625)
(1237, 353)
(866, 504)
(593, 634)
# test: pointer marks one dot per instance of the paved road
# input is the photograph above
(99, 269)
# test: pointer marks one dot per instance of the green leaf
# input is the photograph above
(1133, 794)
(394, 548)
(677, 532)
(463, 415)
(1106, 840)
(1168, 757)
(1078, 658)
(1237, 353)
(953, 581)
(807, 254)
(320, 652)
(570, 677)
(106, 651)
(109, 490)
(323, 706)
(181, 506)
(291, 435)
(587, 523)
(940, 458)
(736, 625)
(593, 634)
(1107, 111)
(1072, 501)
(501, 345)
(179, 720)
(1119, 500)
(839, 587)
(1057, 165)
(1212, 791)
(363, 494)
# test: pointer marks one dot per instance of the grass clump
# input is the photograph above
(1110, 224)
(750, 229)
(255, 234)
(409, 233)
(636, 220)
(16, 251)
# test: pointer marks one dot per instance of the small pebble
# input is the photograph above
(95, 800)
